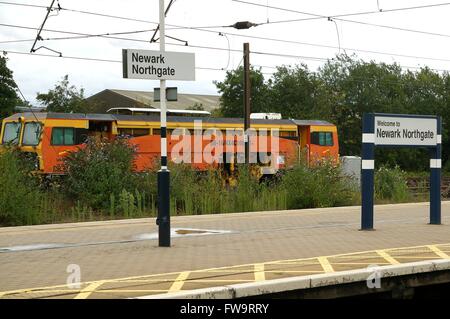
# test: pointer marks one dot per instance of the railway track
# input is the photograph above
(420, 186)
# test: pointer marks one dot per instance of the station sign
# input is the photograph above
(405, 131)
(157, 65)
(399, 130)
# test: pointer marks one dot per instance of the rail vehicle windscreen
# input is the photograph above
(12, 133)
(32, 133)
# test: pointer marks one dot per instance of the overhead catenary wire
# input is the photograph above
(111, 36)
(212, 48)
(267, 6)
(87, 58)
(200, 68)
(355, 79)
(312, 58)
(339, 17)
(314, 17)
(279, 40)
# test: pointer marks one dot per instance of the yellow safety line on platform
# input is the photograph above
(130, 290)
(438, 252)
(281, 271)
(258, 269)
(179, 282)
(387, 257)
(86, 292)
(325, 264)
(259, 272)
(366, 263)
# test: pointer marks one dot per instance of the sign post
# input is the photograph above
(163, 220)
(160, 65)
(399, 130)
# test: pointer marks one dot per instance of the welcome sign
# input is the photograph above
(407, 131)
(399, 130)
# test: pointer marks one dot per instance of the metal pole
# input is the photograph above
(163, 220)
(367, 171)
(435, 178)
(247, 90)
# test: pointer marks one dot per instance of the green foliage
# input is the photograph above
(99, 169)
(8, 95)
(390, 184)
(318, 186)
(81, 212)
(341, 91)
(131, 204)
(64, 98)
(20, 198)
(100, 185)
(232, 97)
(294, 93)
(193, 192)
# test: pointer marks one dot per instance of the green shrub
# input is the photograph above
(390, 184)
(318, 186)
(99, 169)
(20, 197)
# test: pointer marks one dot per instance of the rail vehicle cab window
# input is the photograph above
(32, 133)
(12, 133)
(322, 138)
(63, 136)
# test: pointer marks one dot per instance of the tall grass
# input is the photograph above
(195, 193)
(390, 185)
(24, 201)
(20, 198)
(318, 186)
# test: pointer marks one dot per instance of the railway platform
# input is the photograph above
(121, 259)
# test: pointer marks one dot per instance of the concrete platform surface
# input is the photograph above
(121, 259)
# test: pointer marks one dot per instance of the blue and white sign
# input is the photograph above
(400, 130)
(406, 131)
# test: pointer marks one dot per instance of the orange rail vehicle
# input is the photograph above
(276, 144)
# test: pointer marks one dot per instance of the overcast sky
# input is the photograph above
(38, 74)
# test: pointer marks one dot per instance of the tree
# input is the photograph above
(355, 87)
(232, 90)
(294, 93)
(340, 92)
(64, 98)
(8, 94)
(101, 168)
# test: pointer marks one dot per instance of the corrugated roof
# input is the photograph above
(209, 102)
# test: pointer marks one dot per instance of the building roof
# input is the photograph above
(144, 98)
